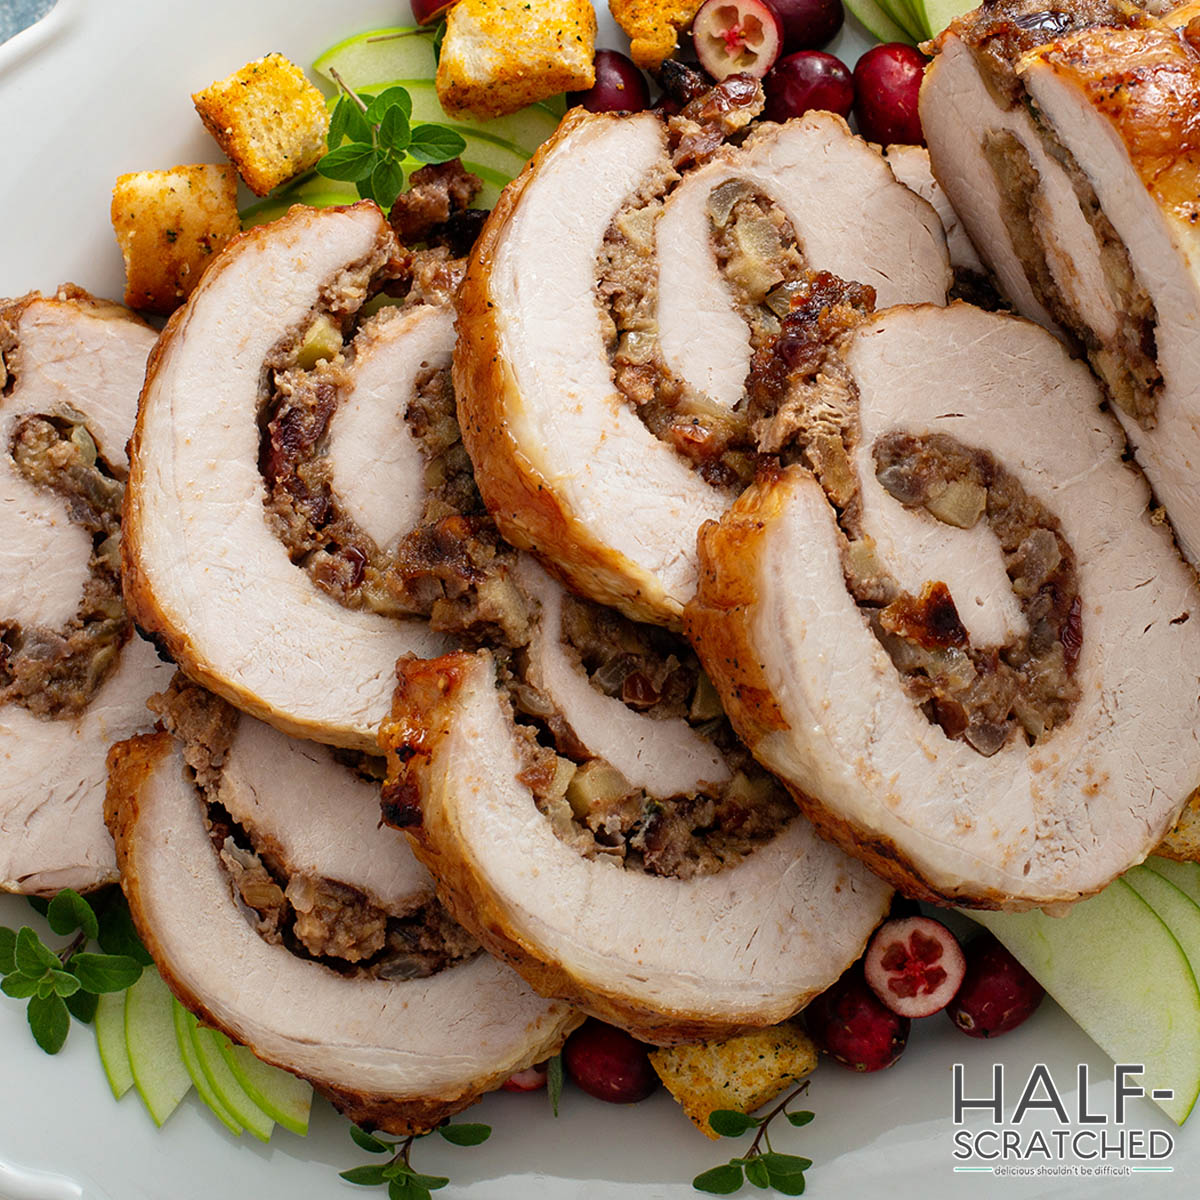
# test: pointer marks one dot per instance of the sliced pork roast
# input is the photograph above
(611, 308)
(73, 677)
(590, 817)
(291, 464)
(961, 637)
(278, 911)
(1067, 143)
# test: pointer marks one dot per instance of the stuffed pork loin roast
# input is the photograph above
(611, 308)
(590, 817)
(1068, 142)
(73, 678)
(281, 913)
(949, 621)
(296, 469)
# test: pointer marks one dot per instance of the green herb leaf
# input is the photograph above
(387, 182)
(404, 1189)
(436, 143)
(800, 1118)
(64, 983)
(364, 1141)
(396, 1169)
(554, 1082)
(337, 125)
(438, 38)
(106, 972)
(394, 130)
(368, 1176)
(45, 987)
(350, 163)
(49, 1022)
(785, 1172)
(31, 955)
(430, 1183)
(39, 904)
(465, 1134)
(20, 986)
(756, 1172)
(117, 932)
(728, 1122)
(358, 128)
(789, 1185)
(8, 946)
(720, 1181)
(394, 97)
(69, 911)
(82, 1006)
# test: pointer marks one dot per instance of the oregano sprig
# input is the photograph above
(65, 982)
(402, 1180)
(764, 1168)
(370, 137)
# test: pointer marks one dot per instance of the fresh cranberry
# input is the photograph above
(619, 86)
(887, 84)
(850, 1023)
(425, 12)
(997, 993)
(914, 965)
(608, 1064)
(808, 80)
(808, 24)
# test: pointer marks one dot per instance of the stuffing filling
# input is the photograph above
(804, 403)
(55, 673)
(591, 806)
(313, 917)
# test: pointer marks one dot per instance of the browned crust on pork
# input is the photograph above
(140, 599)
(423, 712)
(524, 506)
(131, 764)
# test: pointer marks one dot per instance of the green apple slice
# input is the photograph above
(877, 22)
(158, 1071)
(937, 14)
(185, 1035)
(110, 1041)
(1184, 875)
(281, 1095)
(1177, 910)
(1121, 974)
(226, 1086)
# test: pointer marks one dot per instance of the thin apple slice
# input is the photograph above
(284, 1097)
(1115, 968)
(232, 1094)
(1175, 908)
(937, 14)
(1184, 875)
(878, 22)
(109, 1022)
(185, 1036)
(158, 1071)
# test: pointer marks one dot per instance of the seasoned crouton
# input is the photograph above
(268, 118)
(1183, 842)
(500, 55)
(741, 1073)
(653, 27)
(169, 225)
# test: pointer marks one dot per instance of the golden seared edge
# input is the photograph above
(718, 622)
(417, 799)
(525, 505)
(131, 765)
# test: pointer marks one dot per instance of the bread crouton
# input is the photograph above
(170, 225)
(653, 27)
(500, 55)
(741, 1073)
(1183, 842)
(268, 118)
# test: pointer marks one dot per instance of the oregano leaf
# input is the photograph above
(785, 1164)
(392, 98)
(431, 1183)
(118, 934)
(31, 954)
(20, 986)
(39, 904)
(69, 911)
(49, 1021)
(387, 182)
(64, 983)
(364, 1141)
(8, 946)
(554, 1082)
(720, 1181)
(800, 1118)
(438, 38)
(82, 1005)
(436, 143)
(350, 163)
(728, 1122)
(465, 1134)
(756, 1172)
(394, 131)
(368, 1176)
(106, 972)
(358, 128)
(337, 124)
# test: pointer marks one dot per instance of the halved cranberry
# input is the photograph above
(914, 965)
(737, 37)
(851, 1025)
(532, 1079)
(997, 993)
(608, 1064)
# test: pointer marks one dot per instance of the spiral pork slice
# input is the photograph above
(609, 315)
(392, 1013)
(1067, 143)
(286, 447)
(590, 818)
(73, 677)
(977, 668)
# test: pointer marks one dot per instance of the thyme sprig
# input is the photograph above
(402, 1180)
